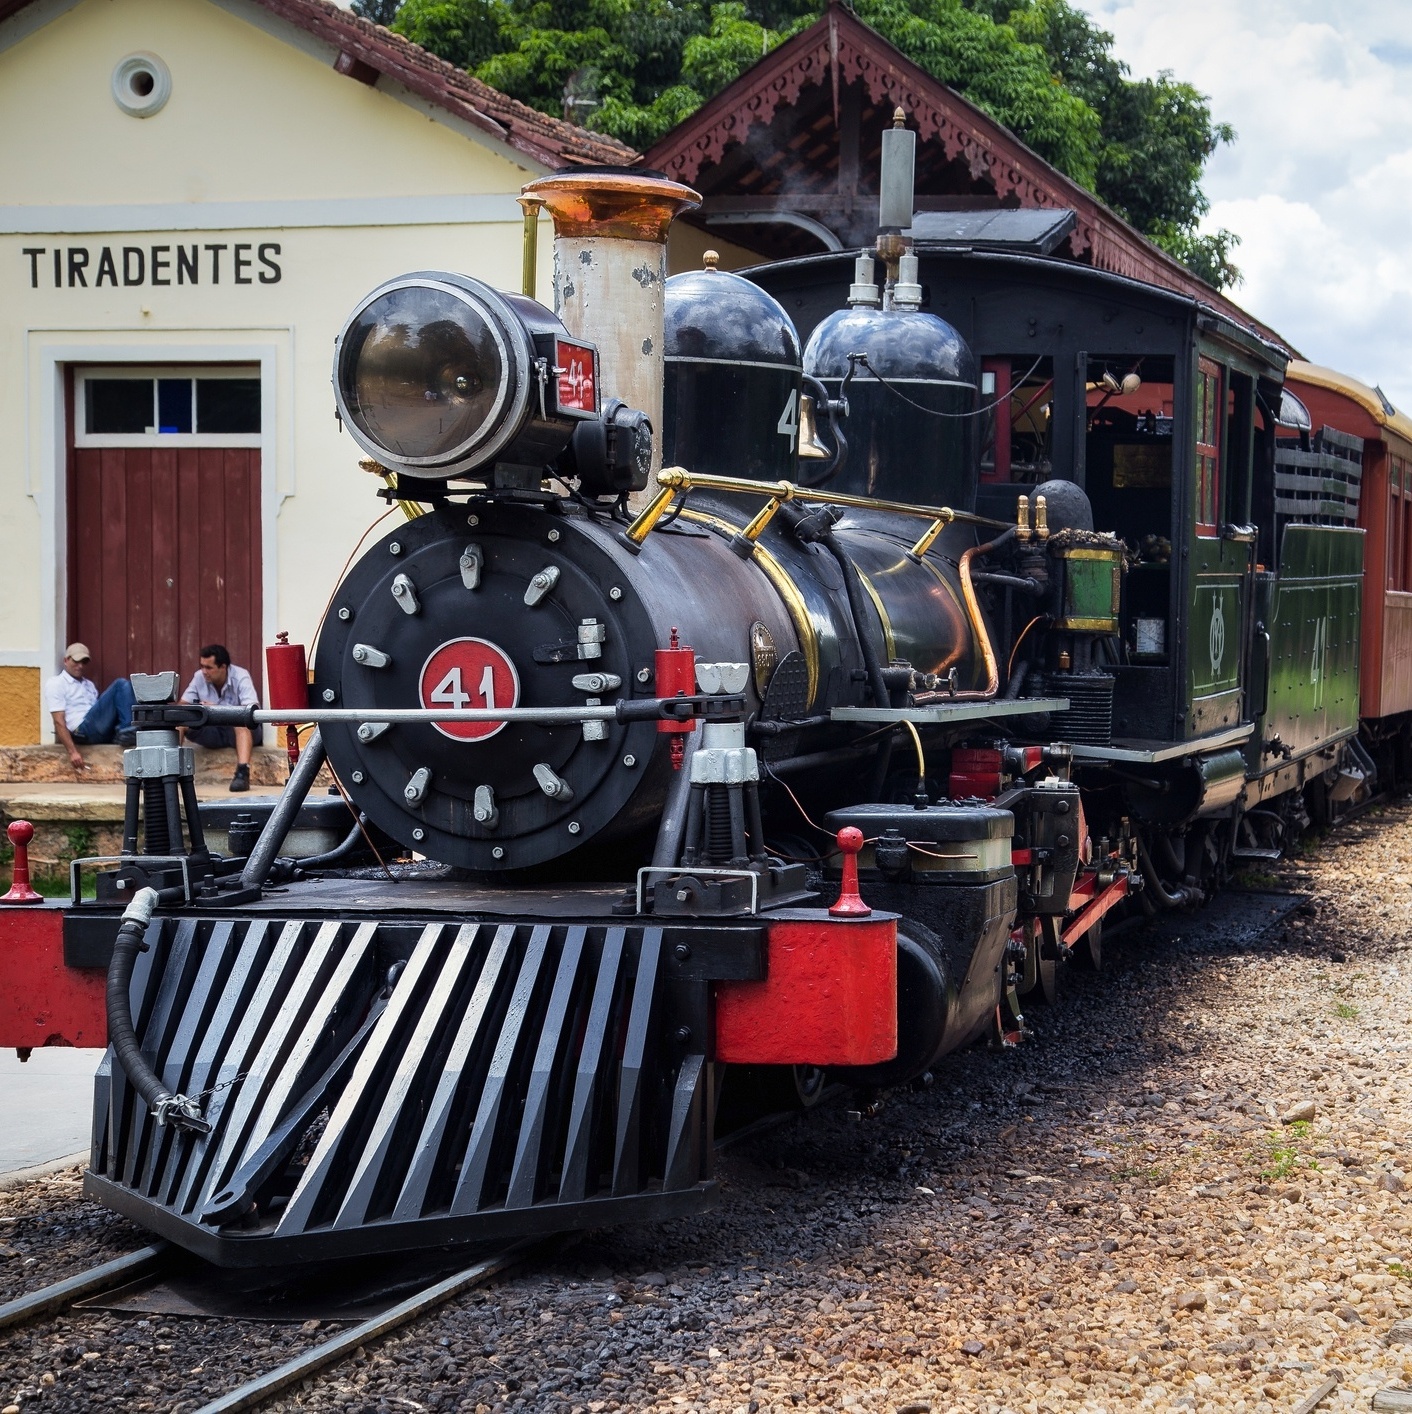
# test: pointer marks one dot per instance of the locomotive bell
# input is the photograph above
(731, 403)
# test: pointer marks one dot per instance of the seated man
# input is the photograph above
(220, 682)
(83, 716)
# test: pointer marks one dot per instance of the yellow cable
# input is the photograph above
(917, 743)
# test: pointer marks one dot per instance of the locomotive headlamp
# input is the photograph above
(439, 375)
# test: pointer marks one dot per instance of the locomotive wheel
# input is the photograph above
(810, 1083)
(1088, 950)
(1042, 970)
(753, 1091)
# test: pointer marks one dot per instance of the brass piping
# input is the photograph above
(973, 610)
(650, 514)
(529, 269)
(410, 509)
(767, 513)
(682, 480)
(928, 538)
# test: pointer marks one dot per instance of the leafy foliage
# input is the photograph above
(380, 12)
(636, 68)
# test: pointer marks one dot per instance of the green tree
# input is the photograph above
(380, 12)
(1156, 137)
(636, 68)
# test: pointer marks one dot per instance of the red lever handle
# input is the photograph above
(21, 832)
(850, 905)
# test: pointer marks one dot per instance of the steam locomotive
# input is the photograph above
(783, 675)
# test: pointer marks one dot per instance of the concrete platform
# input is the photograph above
(77, 814)
(269, 766)
(45, 1106)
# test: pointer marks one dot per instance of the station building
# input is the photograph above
(193, 196)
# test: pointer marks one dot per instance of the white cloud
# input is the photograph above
(1318, 183)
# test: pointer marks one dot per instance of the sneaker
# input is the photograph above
(127, 738)
(241, 779)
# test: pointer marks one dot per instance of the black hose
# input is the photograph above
(1017, 680)
(177, 1110)
(858, 606)
(339, 851)
(1175, 898)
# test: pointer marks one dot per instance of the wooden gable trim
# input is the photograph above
(840, 48)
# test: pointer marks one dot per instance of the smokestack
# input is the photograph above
(610, 267)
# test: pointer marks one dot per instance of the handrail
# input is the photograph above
(677, 480)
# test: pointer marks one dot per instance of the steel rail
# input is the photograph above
(319, 1357)
(49, 1299)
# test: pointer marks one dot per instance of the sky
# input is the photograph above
(1318, 184)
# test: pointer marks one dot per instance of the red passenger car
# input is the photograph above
(1385, 512)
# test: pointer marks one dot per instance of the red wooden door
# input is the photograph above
(164, 556)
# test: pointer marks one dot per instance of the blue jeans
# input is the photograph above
(111, 714)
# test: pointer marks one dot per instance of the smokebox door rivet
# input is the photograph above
(419, 834)
(357, 778)
(629, 760)
(497, 853)
(345, 613)
(615, 593)
(644, 674)
(553, 536)
(574, 827)
(330, 695)
(395, 548)
(472, 520)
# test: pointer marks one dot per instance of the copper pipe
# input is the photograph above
(973, 609)
(973, 612)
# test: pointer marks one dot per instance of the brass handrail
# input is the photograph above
(677, 480)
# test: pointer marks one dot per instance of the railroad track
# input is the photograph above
(158, 1258)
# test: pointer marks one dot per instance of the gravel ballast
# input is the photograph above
(1189, 1191)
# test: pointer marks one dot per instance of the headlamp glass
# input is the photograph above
(422, 372)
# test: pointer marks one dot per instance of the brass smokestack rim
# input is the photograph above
(624, 205)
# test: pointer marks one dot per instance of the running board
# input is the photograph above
(374, 1087)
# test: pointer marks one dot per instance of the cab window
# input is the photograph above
(1210, 405)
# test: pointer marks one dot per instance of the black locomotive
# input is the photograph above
(977, 588)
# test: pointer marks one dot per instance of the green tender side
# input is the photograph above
(1312, 611)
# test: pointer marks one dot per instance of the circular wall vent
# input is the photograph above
(142, 83)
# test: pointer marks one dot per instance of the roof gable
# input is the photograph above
(799, 130)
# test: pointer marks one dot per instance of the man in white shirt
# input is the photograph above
(219, 682)
(83, 716)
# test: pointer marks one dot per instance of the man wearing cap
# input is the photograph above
(220, 683)
(83, 716)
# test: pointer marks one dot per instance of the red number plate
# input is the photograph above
(469, 672)
(578, 375)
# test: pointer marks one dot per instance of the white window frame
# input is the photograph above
(84, 438)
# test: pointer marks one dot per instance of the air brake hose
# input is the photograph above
(1180, 897)
(177, 1110)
